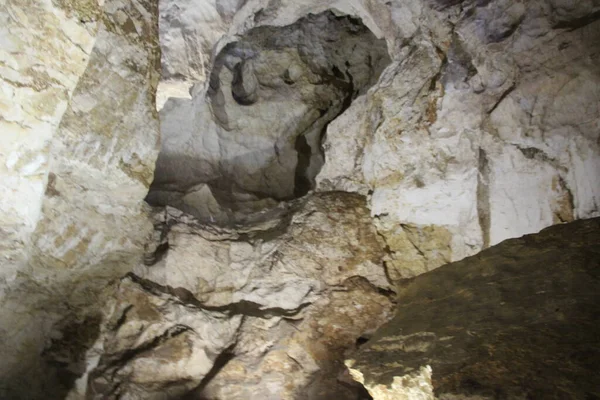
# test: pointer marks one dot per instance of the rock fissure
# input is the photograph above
(244, 308)
(503, 96)
(117, 361)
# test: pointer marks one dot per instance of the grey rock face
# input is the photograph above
(257, 135)
(189, 30)
(483, 129)
(517, 321)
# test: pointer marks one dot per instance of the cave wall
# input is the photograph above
(85, 136)
(36, 87)
(188, 32)
(254, 133)
(268, 313)
(484, 126)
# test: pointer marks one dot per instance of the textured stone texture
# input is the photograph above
(519, 320)
(483, 126)
(486, 127)
(93, 224)
(301, 356)
(35, 87)
(45, 48)
(308, 287)
(328, 240)
(188, 32)
(155, 345)
(255, 134)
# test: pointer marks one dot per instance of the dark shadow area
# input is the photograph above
(50, 367)
(219, 364)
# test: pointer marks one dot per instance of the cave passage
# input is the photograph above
(270, 97)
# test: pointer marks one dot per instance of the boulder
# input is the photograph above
(517, 321)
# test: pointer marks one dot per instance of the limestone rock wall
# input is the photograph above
(303, 291)
(45, 50)
(336, 149)
(485, 128)
(254, 135)
(36, 85)
(154, 345)
(465, 139)
(84, 145)
(188, 32)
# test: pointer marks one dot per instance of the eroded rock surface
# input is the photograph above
(457, 123)
(34, 93)
(155, 345)
(254, 137)
(304, 291)
(519, 320)
(189, 29)
(484, 128)
(96, 166)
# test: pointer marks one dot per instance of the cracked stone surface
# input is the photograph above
(308, 287)
(267, 313)
(154, 344)
(519, 320)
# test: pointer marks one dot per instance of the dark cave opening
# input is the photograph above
(270, 97)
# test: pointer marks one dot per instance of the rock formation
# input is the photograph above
(255, 137)
(303, 292)
(312, 156)
(517, 321)
(80, 136)
(154, 345)
(482, 129)
(188, 32)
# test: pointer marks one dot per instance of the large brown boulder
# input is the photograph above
(517, 321)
